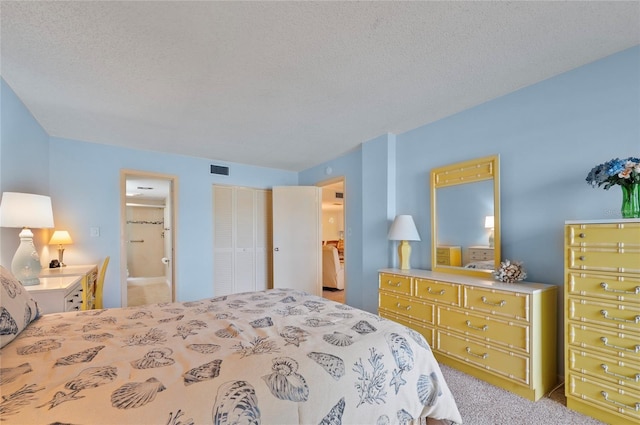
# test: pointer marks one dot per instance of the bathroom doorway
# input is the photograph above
(147, 238)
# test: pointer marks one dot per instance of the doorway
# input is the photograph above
(333, 234)
(147, 270)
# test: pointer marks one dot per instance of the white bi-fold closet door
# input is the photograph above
(264, 239)
(242, 239)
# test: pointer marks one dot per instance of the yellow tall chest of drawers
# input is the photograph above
(447, 255)
(503, 333)
(602, 319)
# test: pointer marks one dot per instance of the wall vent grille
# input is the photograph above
(219, 169)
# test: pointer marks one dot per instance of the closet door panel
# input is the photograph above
(242, 239)
(264, 272)
(223, 240)
(245, 219)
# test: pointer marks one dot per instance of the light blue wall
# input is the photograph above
(24, 164)
(85, 182)
(548, 135)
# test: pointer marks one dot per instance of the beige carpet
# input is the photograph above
(148, 294)
(481, 403)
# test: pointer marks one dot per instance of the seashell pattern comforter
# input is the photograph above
(270, 357)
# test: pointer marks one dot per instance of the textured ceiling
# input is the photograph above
(285, 84)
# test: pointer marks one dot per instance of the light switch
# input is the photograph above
(94, 232)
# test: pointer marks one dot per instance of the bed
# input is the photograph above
(482, 265)
(273, 357)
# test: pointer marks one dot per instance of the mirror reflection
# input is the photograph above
(466, 217)
(463, 213)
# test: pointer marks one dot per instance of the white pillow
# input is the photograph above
(17, 308)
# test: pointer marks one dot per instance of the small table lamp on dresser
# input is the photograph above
(60, 238)
(404, 229)
(26, 210)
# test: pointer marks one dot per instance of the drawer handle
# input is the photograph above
(605, 314)
(605, 341)
(482, 356)
(605, 286)
(582, 235)
(406, 308)
(440, 292)
(582, 258)
(484, 328)
(397, 285)
(617, 403)
(500, 304)
(606, 370)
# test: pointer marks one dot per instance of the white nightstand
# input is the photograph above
(480, 253)
(57, 294)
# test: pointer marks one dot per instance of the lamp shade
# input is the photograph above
(488, 222)
(403, 229)
(25, 210)
(60, 237)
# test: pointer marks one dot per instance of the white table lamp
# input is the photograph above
(60, 238)
(26, 210)
(404, 229)
(489, 224)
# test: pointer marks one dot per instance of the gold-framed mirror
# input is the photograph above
(465, 203)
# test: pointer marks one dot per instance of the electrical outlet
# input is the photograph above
(94, 232)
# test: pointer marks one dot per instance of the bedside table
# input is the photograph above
(57, 294)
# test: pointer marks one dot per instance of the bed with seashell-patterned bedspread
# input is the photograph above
(271, 357)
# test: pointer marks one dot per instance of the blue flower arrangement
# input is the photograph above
(623, 172)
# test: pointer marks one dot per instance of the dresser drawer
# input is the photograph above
(510, 365)
(615, 343)
(506, 304)
(420, 327)
(433, 290)
(607, 287)
(620, 316)
(405, 306)
(480, 254)
(615, 260)
(511, 335)
(73, 300)
(604, 234)
(616, 371)
(608, 397)
(395, 283)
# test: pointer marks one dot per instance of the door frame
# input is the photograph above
(173, 196)
(322, 184)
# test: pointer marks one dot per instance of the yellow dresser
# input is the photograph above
(503, 333)
(602, 319)
(447, 255)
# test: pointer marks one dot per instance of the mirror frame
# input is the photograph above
(471, 171)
